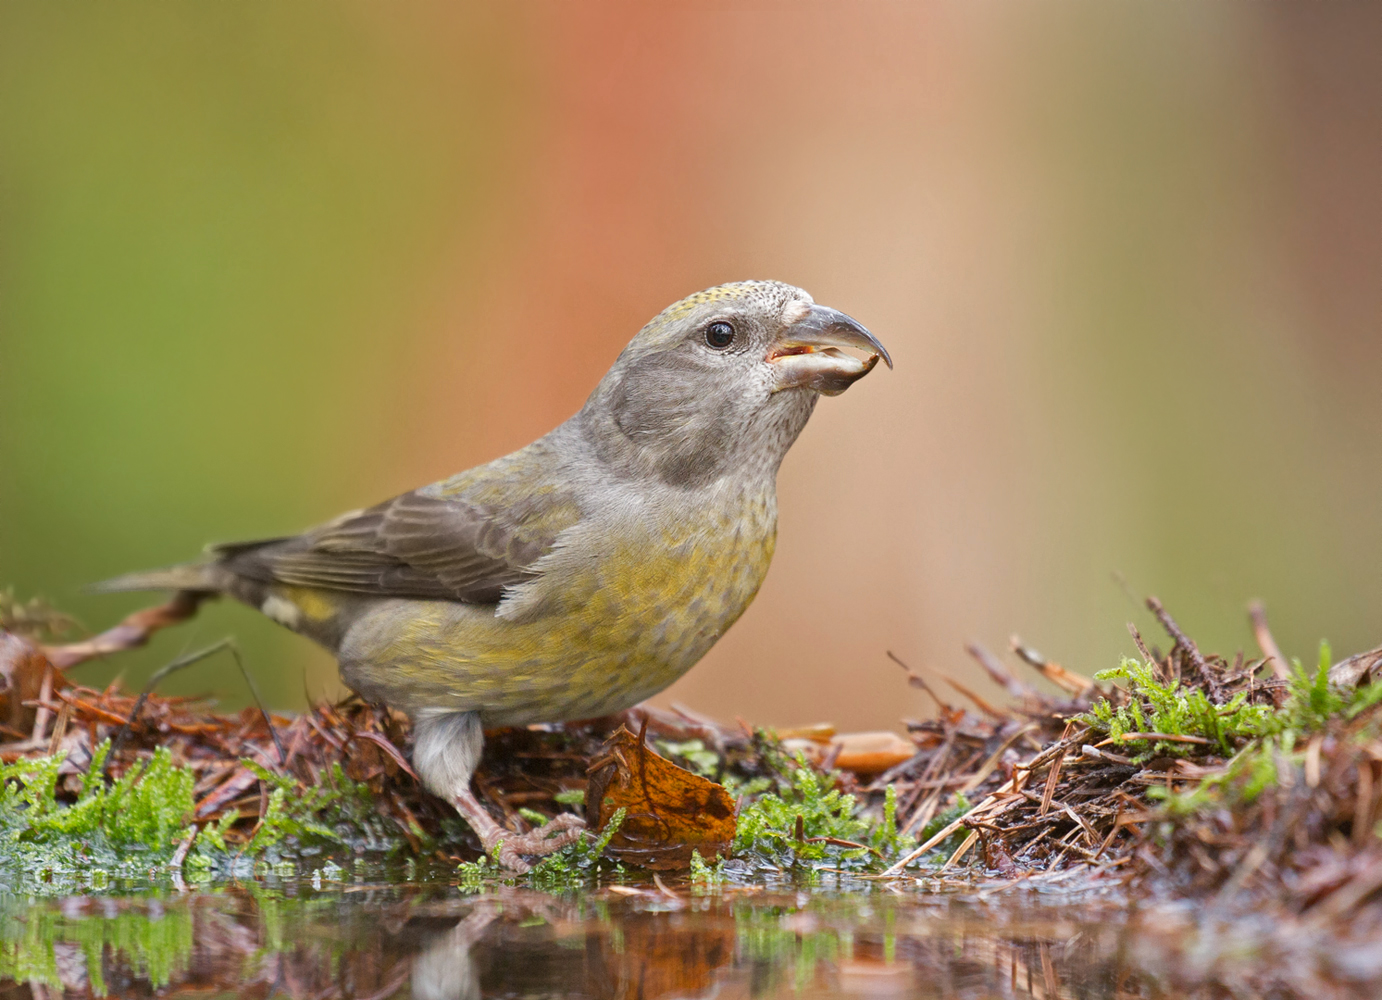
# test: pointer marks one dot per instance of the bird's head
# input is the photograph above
(723, 382)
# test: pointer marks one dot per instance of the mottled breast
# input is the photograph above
(621, 610)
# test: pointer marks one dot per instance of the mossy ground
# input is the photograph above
(1113, 773)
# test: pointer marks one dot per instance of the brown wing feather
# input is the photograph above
(415, 545)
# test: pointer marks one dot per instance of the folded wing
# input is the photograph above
(422, 544)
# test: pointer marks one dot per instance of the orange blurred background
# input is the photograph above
(260, 265)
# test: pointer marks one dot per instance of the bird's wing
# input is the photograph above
(431, 543)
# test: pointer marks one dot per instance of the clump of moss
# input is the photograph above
(1266, 793)
(1312, 707)
(113, 830)
(140, 825)
(1248, 721)
(799, 821)
(145, 809)
(1174, 709)
(810, 819)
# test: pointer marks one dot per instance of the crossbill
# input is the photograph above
(581, 574)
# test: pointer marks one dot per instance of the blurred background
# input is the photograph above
(262, 263)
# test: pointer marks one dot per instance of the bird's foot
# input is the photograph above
(547, 839)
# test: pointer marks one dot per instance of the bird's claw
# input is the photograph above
(549, 838)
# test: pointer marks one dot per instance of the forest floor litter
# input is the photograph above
(1251, 786)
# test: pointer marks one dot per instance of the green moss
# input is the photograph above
(300, 819)
(131, 828)
(112, 831)
(957, 808)
(570, 797)
(1178, 710)
(1313, 701)
(780, 827)
(692, 755)
(145, 810)
(1175, 710)
(703, 875)
(1260, 740)
(1246, 776)
(884, 837)
(799, 822)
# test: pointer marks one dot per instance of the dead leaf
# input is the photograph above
(872, 753)
(669, 811)
(821, 732)
(1357, 670)
(22, 666)
(862, 753)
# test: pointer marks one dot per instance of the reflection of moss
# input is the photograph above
(156, 943)
(774, 938)
(178, 938)
(826, 930)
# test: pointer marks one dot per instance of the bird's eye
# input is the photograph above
(719, 335)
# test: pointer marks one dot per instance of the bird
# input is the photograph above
(577, 576)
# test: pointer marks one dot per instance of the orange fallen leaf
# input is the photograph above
(862, 753)
(872, 753)
(821, 732)
(669, 812)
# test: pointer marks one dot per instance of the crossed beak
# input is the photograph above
(810, 353)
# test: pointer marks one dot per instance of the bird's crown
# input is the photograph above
(764, 298)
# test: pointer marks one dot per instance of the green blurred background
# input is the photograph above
(263, 263)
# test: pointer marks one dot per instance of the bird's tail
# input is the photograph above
(199, 577)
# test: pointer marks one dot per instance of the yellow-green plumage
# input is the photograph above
(618, 631)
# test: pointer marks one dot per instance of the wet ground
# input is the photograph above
(361, 936)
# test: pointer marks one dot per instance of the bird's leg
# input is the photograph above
(446, 751)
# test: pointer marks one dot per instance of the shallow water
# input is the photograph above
(369, 938)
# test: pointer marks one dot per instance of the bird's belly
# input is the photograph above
(618, 634)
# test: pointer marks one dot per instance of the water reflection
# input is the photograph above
(430, 941)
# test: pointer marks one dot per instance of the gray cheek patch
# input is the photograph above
(675, 411)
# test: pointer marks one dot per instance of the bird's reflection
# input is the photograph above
(445, 971)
